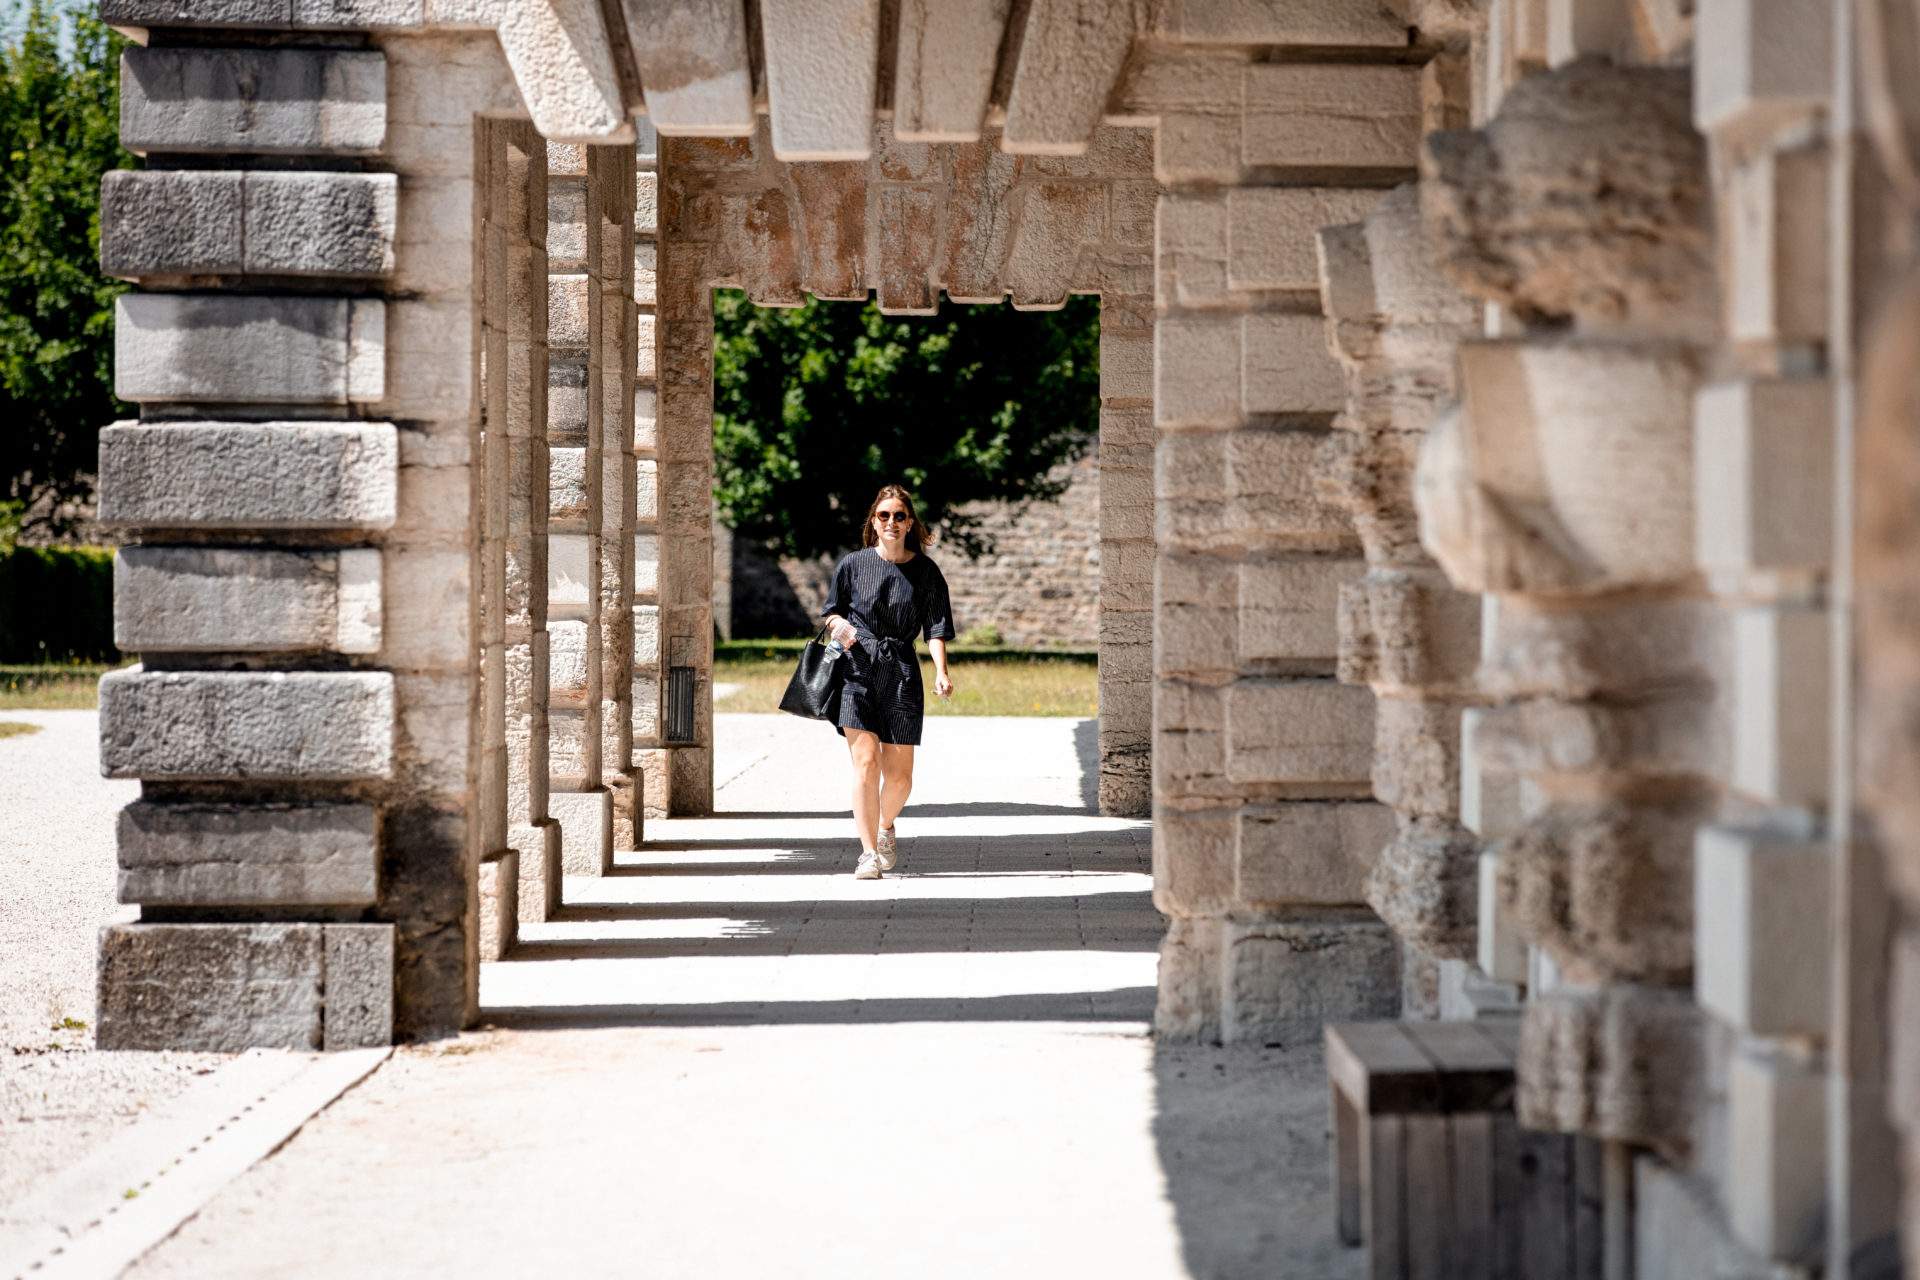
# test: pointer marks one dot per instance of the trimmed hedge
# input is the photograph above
(56, 605)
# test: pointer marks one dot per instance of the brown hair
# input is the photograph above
(918, 535)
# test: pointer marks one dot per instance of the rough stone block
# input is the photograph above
(246, 855)
(1501, 952)
(223, 988)
(298, 14)
(1196, 371)
(218, 725)
(1776, 1156)
(1416, 763)
(693, 67)
(1333, 23)
(1763, 474)
(187, 598)
(1768, 61)
(570, 575)
(1193, 862)
(1425, 884)
(1288, 609)
(499, 905)
(1285, 980)
(358, 1004)
(1070, 56)
(1190, 235)
(944, 72)
(171, 222)
(1570, 470)
(234, 348)
(1272, 232)
(1126, 369)
(1306, 115)
(586, 830)
(1774, 220)
(1188, 1004)
(1312, 853)
(1314, 732)
(1410, 632)
(1274, 501)
(254, 475)
(321, 224)
(822, 68)
(256, 101)
(1761, 935)
(1286, 367)
(1619, 1062)
(1780, 704)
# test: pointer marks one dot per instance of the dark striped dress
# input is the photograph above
(889, 605)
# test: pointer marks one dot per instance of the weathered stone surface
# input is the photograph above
(1521, 492)
(1780, 682)
(1287, 608)
(321, 223)
(1337, 23)
(1302, 115)
(1768, 63)
(1607, 888)
(1272, 232)
(833, 208)
(943, 72)
(1307, 853)
(1071, 52)
(693, 66)
(1632, 650)
(1408, 632)
(1285, 980)
(1763, 474)
(1426, 884)
(586, 830)
(298, 14)
(1286, 367)
(248, 855)
(1586, 197)
(822, 70)
(1057, 221)
(176, 221)
(232, 475)
(217, 725)
(1619, 1062)
(1762, 945)
(358, 1004)
(1188, 1004)
(499, 904)
(187, 598)
(1311, 732)
(224, 348)
(1776, 239)
(1776, 1144)
(257, 101)
(1681, 1231)
(211, 987)
(905, 236)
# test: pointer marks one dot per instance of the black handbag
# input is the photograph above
(814, 691)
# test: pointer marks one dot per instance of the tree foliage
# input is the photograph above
(59, 132)
(816, 407)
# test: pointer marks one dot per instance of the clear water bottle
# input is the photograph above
(835, 649)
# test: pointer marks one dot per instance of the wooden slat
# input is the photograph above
(692, 56)
(1429, 1199)
(1587, 1209)
(1471, 1173)
(943, 75)
(1382, 1070)
(1071, 52)
(1475, 1073)
(1349, 1131)
(1383, 1180)
(1507, 1206)
(1546, 1184)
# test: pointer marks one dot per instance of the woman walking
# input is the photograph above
(883, 596)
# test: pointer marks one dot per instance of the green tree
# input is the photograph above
(816, 407)
(59, 131)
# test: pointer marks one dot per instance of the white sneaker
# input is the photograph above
(889, 849)
(869, 868)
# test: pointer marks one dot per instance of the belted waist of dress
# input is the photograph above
(892, 645)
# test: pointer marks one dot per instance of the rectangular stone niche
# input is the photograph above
(211, 725)
(250, 475)
(229, 855)
(222, 988)
(203, 598)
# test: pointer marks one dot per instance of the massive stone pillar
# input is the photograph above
(1265, 822)
(300, 576)
(1405, 631)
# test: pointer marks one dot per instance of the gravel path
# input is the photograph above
(56, 876)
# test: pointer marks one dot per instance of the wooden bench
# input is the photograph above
(1433, 1173)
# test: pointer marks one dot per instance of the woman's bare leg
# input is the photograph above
(865, 749)
(896, 773)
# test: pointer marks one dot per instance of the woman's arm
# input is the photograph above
(942, 685)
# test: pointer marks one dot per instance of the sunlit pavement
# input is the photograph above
(730, 1058)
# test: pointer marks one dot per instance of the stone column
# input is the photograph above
(299, 576)
(1265, 822)
(611, 182)
(1126, 543)
(1404, 629)
(1564, 484)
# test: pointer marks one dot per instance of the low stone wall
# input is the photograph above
(1040, 585)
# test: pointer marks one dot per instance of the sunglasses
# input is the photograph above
(898, 517)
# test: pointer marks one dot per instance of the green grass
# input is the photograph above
(15, 729)
(996, 681)
(52, 686)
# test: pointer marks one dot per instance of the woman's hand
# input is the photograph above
(941, 684)
(840, 629)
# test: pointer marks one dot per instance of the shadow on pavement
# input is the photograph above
(1128, 1004)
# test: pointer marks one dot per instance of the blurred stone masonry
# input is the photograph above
(1476, 494)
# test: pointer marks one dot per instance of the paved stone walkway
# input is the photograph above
(730, 1059)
